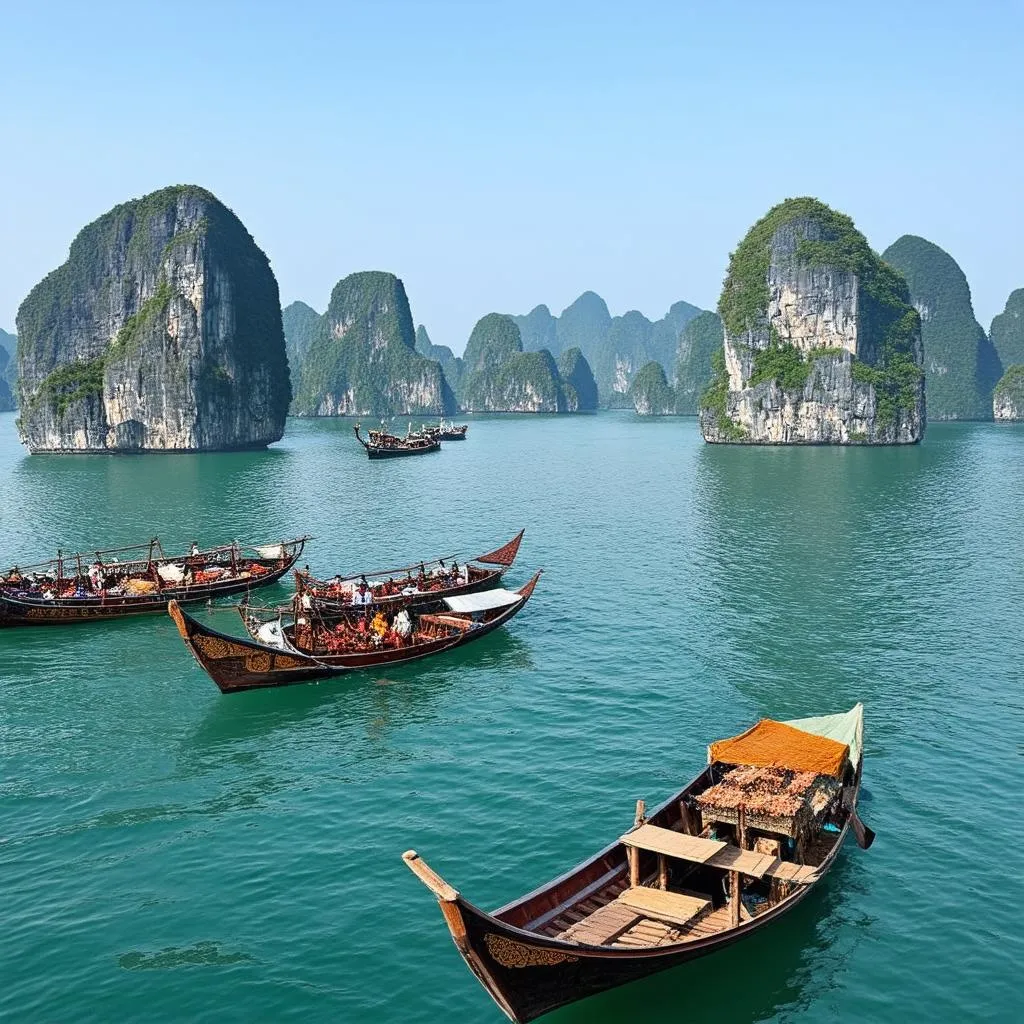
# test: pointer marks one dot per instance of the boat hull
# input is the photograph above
(399, 453)
(236, 664)
(64, 611)
(529, 974)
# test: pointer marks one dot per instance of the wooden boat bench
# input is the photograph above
(716, 854)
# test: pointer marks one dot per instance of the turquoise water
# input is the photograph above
(170, 854)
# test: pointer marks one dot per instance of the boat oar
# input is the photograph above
(865, 836)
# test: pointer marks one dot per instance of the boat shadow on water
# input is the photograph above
(375, 701)
(755, 979)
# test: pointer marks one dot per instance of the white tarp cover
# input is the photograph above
(483, 601)
(269, 551)
(847, 728)
(171, 573)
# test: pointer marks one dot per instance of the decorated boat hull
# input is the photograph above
(236, 664)
(16, 611)
(529, 973)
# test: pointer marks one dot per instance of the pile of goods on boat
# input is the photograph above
(731, 852)
(136, 580)
(382, 444)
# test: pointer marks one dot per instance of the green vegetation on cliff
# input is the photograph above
(961, 365)
(889, 362)
(301, 323)
(1008, 396)
(117, 273)
(8, 370)
(1007, 331)
(650, 393)
(714, 400)
(363, 359)
(699, 340)
(6, 398)
(494, 340)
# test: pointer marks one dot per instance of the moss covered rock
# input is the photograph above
(161, 331)
(451, 364)
(961, 366)
(822, 345)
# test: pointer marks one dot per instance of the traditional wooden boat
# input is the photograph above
(447, 431)
(310, 648)
(382, 445)
(438, 577)
(726, 856)
(136, 580)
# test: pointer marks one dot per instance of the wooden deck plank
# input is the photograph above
(603, 925)
(672, 844)
(664, 906)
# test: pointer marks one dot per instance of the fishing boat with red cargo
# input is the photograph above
(137, 580)
(723, 858)
(382, 445)
(312, 647)
(437, 577)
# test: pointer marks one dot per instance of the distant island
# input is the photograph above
(961, 364)
(1007, 334)
(653, 394)
(162, 331)
(822, 344)
(362, 359)
(8, 370)
(499, 376)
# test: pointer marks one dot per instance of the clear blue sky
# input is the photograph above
(498, 155)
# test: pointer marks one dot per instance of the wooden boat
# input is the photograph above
(382, 445)
(84, 587)
(447, 431)
(306, 649)
(726, 856)
(438, 577)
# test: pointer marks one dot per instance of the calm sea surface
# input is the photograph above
(169, 854)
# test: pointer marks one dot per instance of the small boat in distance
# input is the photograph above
(382, 445)
(311, 648)
(726, 856)
(447, 431)
(100, 585)
(437, 577)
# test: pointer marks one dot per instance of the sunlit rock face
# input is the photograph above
(821, 344)
(161, 332)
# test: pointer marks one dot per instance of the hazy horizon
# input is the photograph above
(496, 159)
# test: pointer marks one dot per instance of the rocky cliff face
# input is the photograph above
(301, 323)
(451, 364)
(578, 383)
(1008, 397)
(650, 392)
(698, 341)
(363, 361)
(161, 332)
(821, 343)
(961, 366)
(1007, 331)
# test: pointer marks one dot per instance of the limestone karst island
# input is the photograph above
(161, 332)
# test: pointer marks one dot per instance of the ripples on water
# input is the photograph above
(174, 854)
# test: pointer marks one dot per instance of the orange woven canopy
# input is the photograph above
(775, 743)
